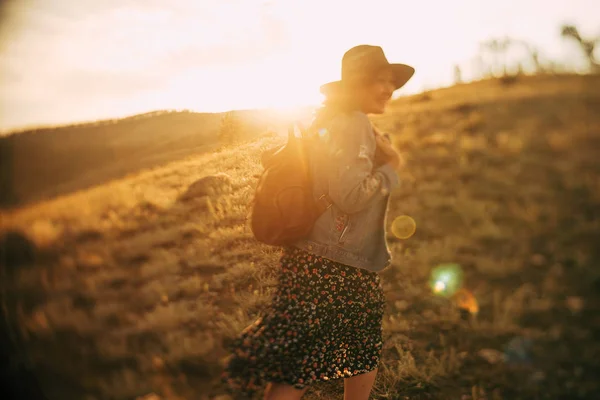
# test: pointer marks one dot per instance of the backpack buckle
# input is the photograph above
(327, 200)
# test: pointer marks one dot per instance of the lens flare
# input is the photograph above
(518, 350)
(323, 133)
(465, 300)
(404, 227)
(439, 286)
(446, 279)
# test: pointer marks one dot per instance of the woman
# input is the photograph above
(325, 318)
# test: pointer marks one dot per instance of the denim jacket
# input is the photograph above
(352, 230)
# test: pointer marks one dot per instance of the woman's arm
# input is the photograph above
(353, 182)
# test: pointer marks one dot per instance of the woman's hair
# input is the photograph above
(342, 100)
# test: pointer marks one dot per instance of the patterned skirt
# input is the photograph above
(324, 323)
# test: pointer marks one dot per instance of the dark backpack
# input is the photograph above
(284, 208)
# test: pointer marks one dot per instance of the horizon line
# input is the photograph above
(114, 119)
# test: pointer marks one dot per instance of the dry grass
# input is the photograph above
(41, 164)
(138, 288)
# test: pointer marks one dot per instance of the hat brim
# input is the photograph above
(402, 74)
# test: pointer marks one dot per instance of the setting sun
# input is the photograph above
(66, 61)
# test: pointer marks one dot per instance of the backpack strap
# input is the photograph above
(323, 202)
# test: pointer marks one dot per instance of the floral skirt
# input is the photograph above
(324, 323)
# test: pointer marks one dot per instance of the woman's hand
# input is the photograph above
(389, 153)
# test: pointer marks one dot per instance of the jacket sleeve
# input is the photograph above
(353, 182)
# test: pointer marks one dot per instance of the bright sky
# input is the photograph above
(65, 61)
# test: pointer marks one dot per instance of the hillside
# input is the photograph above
(44, 163)
(138, 285)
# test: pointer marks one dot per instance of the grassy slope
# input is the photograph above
(41, 164)
(139, 290)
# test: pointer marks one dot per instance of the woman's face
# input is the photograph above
(375, 95)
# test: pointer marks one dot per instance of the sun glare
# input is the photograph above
(218, 56)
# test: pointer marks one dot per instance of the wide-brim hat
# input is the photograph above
(363, 61)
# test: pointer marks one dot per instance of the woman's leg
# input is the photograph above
(278, 391)
(359, 387)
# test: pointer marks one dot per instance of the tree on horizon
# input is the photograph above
(587, 46)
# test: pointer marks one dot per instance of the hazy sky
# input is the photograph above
(74, 60)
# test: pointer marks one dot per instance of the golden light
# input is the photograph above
(465, 300)
(323, 133)
(220, 56)
(404, 227)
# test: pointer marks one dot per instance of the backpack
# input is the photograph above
(284, 208)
